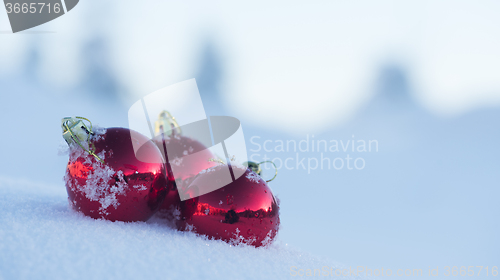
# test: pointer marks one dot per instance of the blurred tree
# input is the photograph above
(98, 78)
(209, 77)
(32, 64)
(393, 88)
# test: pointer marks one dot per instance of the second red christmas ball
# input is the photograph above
(244, 211)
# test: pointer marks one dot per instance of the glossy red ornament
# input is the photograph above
(113, 184)
(188, 155)
(244, 211)
(178, 148)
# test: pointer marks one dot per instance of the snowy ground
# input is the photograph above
(41, 238)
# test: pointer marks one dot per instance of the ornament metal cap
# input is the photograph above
(167, 124)
(255, 167)
(75, 131)
(74, 126)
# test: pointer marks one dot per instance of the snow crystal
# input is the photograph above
(63, 149)
(238, 166)
(189, 228)
(268, 239)
(252, 177)
(207, 170)
(99, 132)
(97, 187)
(176, 213)
(239, 239)
(140, 187)
(177, 161)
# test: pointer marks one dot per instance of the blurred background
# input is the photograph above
(421, 78)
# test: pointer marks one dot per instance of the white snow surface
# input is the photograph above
(42, 238)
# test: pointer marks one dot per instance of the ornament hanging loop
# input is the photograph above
(275, 168)
(70, 124)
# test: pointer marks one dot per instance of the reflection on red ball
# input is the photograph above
(178, 147)
(121, 189)
(244, 211)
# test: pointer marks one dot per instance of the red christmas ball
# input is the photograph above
(189, 156)
(105, 180)
(244, 211)
(185, 157)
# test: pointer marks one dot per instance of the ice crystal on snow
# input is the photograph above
(252, 177)
(177, 161)
(140, 187)
(63, 149)
(97, 187)
(207, 170)
(238, 239)
(189, 227)
(176, 213)
(268, 239)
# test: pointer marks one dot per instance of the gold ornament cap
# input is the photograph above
(74, 127)
(255, 167)
(75, 131)
(167, 124)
